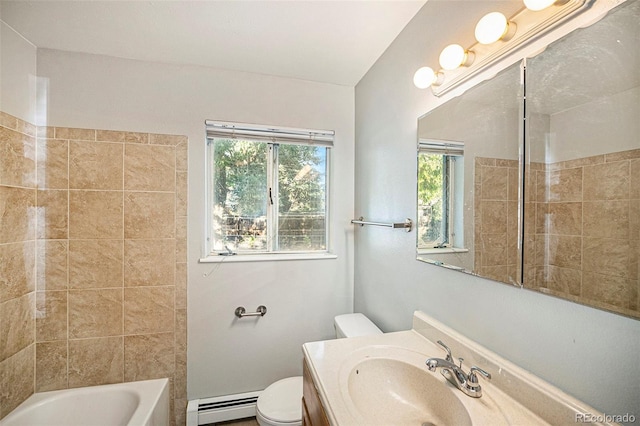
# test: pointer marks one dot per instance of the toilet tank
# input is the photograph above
(353, 325)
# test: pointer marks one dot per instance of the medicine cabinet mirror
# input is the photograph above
(575, 194)
(467, 215)
(582, 215)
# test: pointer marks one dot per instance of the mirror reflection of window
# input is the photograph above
(479, 192)
(440, 190)
(561, 215)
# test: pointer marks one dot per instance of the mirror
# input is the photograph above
(582, 233)
(468, 191)
(579, 181)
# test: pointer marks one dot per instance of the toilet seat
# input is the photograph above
(280, 404)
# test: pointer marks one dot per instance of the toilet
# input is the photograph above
(279, 403)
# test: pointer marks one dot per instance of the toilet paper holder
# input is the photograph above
(242, 312)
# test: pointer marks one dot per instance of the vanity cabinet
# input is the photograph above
(382, 379)
(312, 410)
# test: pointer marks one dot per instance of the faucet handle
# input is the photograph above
(473, 379)
(446, 348)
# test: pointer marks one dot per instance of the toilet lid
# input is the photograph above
(282, 401)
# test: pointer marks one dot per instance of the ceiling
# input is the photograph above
(326, 41)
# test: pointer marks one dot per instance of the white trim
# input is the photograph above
(273, 197)
(273, 191)
(443, 250)
(267, 257)
(443, 264)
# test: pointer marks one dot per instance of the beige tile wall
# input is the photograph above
(100, 230)
(587, 230)
(495, 219)
(18, 214)
(582, 227)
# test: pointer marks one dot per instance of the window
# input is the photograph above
(268, 189)
(440, 192)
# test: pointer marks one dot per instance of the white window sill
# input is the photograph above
(267, 257)
(443, 250)
(438, 263)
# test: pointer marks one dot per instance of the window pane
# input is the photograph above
(302, 174)
(239, 195)
(431, 200)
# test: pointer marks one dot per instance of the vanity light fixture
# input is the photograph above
(426, 77)
(497, 37)
(537, 5)
(494, 26)
(454, 56)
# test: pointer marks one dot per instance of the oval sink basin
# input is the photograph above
(387, 391)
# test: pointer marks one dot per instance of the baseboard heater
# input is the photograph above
(222, 408)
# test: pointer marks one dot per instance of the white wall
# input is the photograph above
(226, 355)
(589, 353)
(17, 74)
(603, 126)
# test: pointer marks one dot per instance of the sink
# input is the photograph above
(383, 380)
(391, 391)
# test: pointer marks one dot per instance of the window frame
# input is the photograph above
(274, 138)
(451, 152)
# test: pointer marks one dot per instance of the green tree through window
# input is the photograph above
(268, 196)
(431, 199)
(440, 193)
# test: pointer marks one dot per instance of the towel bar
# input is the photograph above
(407, 224)
(242, 312)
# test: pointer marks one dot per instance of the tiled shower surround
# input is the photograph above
(496, 219)
(585, 243)
(92, 259)
(582, 227)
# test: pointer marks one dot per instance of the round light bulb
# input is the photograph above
(454, 56)
(491, 27)
(537, 5)
(424, 77)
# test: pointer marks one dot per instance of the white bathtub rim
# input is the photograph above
(148, 392)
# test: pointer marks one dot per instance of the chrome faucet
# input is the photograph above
(467, 383)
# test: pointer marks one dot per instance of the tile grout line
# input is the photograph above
(124, 259)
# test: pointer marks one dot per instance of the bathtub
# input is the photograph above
(144, 403)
